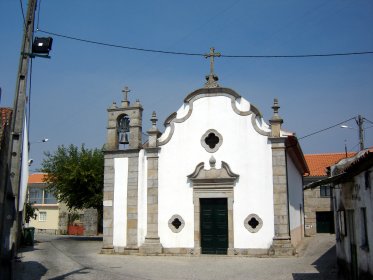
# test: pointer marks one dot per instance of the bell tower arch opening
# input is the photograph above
(123, 130)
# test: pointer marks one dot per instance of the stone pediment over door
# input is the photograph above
(213, 183)
(213, 177)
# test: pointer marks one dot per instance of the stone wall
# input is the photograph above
(314, 203)
(89, 220)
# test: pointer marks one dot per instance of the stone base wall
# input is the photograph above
(46, 231)
(281, 248)
(185, 252)
(296, 235)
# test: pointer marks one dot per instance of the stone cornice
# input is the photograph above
(121, 109)
(123, 153)
(153, 150)
(213, 176)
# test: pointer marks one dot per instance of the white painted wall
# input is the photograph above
(295, 189)
(363, 198)
(142, 198)
(51, 222)
(247, 153)
(120, 202)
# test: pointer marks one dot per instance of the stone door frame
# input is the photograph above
(213, 183)
(212, 192)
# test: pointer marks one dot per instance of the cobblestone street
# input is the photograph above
(64, 257)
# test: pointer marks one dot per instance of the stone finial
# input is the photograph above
(276, 120)
(125, 101)
(137, 104)
(275, 107)
(154, 120)
(114, 105)
(211, 81)
(212, 162)
(212, 78)
(153, 132)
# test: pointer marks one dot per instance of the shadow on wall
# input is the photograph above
(326, 266)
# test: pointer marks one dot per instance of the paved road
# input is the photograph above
(61, 257)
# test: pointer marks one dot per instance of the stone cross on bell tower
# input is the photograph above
(212, 78)
(125, 101)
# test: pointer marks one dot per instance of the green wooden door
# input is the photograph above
(214, 225)
(324, 222)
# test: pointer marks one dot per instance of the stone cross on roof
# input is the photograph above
(211, 55)
(212, 78)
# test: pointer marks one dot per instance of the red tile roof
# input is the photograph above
(36, 178)
(317, 163)
(5, 114)
(5, 119)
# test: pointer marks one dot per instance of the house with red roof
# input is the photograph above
(352, 182)
(318, 207)
(55, 217)
(44, 202)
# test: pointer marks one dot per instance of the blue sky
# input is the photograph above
(72, 90)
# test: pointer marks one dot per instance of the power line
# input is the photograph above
(117, 46)
(338, 124)
(23, 13)
(354, 146)
(368, 120)
(37, 25)
(298, 55)
(200, 54)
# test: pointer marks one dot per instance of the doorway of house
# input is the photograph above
(214, 225)
(324, 222)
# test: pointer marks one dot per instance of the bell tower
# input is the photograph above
(124, 140)
(124, 130)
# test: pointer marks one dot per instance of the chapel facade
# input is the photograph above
(218, 180)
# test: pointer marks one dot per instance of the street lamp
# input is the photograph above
(40, 141)
(359, 122)
(44, 140)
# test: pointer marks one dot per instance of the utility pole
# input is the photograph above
(360, 122)
(12, 225)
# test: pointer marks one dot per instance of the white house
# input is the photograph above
(353, 213)
(219, 180)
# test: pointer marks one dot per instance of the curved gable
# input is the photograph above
(256, 116)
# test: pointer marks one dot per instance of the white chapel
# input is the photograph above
(218, 180)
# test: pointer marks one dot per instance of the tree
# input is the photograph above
(30, 212)
(76, 176)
